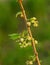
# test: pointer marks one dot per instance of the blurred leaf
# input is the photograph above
(19, 13)
(14, 36)
(16, 0)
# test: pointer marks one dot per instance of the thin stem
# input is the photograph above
(29, 31)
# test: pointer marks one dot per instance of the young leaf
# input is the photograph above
(19, 13)
(14, 36)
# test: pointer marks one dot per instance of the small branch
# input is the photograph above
(29, 31)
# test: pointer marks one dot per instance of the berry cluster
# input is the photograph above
(32, 21)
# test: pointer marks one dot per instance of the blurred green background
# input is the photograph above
(10, 53)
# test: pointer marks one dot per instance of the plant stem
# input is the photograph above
(29, 31)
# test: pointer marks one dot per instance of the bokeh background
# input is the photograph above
(10, 53)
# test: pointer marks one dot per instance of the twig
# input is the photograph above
(29, 31)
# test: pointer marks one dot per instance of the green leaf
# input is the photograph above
(19, 13)
(14, 36)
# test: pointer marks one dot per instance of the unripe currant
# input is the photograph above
(22, 39)
(32, 21)
(22, 15)
(36, 42)
(35, 24)
(29, 38)
(28, 24)
(34, 18)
